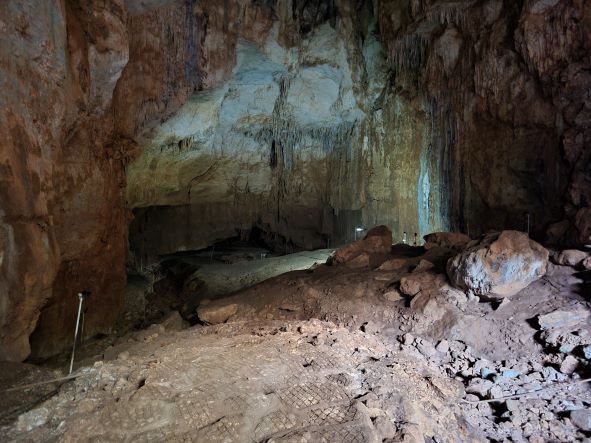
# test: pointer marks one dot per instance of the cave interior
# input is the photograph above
(295, 220)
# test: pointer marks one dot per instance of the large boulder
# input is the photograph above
(378, 241)
(500, 265)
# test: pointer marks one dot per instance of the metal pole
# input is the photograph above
(82, 326)
(81, 296)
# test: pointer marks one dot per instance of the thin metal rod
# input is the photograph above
(82, 326)
(558, 385)
(41, 383)
(81, 297)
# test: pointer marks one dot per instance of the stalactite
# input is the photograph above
(448, 13)
(408, 53)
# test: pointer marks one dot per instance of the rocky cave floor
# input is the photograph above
(385, 351)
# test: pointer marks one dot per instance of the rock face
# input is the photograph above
(292, 120)
(451, 240)
(486, 75)
(371, 114)
(62, 217)
(378, 241)
(570, 257)
(500, 265)
(78, 81)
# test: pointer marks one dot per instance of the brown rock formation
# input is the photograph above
(61, 213)
(377, 242)
(498, 266)
(423, 115)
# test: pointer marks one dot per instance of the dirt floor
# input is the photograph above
(333, 354)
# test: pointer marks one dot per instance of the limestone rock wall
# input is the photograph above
(422, 115)
(300, 119)
(507, 84)
(305, 140)
(61, 213)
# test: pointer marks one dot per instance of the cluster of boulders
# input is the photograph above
(367, 252)
(498, 265)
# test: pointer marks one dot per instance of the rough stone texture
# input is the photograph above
(393, 264)
(62, 220)
(157, 385)
(500, 265)
(424, 117)
(562, 319)
(213, 315)
(417, 282)
(78, 82)
(570, 257)
(378, 241)
(451, 240)
(581, 418)
(504, 88)
(274, 385)
(262, 148)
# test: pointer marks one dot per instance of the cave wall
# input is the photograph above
(422, 115)
(61, 205)
(509, 85)
(301, 118)
(305, 140)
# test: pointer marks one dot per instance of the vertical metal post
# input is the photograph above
(82, 325)
(81, 296)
